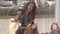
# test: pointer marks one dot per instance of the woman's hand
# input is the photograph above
(13, 20)
(29, 25)
(17, 17)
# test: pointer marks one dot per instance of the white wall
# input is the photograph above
(57, 12)
(43, 1)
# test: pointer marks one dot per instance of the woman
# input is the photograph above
(27, 17)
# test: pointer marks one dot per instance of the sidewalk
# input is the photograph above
(42, 23)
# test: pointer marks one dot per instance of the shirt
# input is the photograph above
(26, 19)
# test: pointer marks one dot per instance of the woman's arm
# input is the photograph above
(17, 16)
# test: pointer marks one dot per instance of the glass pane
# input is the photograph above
(45, 15)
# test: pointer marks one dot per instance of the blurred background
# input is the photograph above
(10, 7)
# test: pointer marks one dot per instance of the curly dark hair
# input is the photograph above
(26, 6)
(33, 12)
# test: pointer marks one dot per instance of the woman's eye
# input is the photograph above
(31, 6)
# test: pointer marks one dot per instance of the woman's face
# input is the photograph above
(30, 7)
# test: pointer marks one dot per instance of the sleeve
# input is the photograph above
(18, 16)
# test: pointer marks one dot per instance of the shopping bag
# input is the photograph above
(13, 26)
(28, 30)
(31, 30)
(35, 30)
